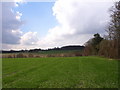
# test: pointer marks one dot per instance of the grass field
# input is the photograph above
(60, 72)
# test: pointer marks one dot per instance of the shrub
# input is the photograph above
(9, 56)
(20, 55)
(30, 55)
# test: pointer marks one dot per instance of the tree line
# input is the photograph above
(108, 46)
(70, 47)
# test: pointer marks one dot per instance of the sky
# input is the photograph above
(28, 25)
(36, 16)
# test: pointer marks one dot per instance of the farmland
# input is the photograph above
(60, 72)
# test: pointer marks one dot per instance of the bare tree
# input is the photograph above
(114, 28)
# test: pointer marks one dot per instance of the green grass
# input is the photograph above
(60, 72)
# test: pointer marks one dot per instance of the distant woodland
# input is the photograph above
(64, 48)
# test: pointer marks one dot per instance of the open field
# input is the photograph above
(60, 72)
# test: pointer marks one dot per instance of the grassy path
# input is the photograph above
(63, 72)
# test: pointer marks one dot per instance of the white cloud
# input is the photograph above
(78, 21)
(27, 41)
(82, 17)
(29, 38)
(18, 15)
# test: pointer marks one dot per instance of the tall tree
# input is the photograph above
(92, 46)
(114, 28)
(96, 41)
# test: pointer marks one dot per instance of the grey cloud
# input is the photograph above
(9, 38)
(90, 18)
(10, 23)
